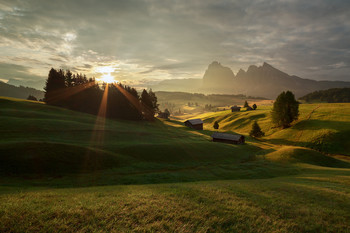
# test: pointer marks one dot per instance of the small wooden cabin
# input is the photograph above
(163, 115)
(235, 109)
(228, 138)
(195, 124)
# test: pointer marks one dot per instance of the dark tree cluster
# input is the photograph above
(246, 105)
(77, 92)
(208, 107)
(32, 97)
(333, 95)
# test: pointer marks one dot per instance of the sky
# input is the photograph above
(144, 41)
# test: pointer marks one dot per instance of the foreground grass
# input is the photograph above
(309, 203)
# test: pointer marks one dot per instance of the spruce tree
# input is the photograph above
(246, 105)
(256, 130)
(55, 84)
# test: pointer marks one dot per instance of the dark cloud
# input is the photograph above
(306, 38)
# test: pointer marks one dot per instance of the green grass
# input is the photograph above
(324, 127)
(65, 171)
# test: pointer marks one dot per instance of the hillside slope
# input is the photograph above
(39, 140)
(324, 127)
(19, 92)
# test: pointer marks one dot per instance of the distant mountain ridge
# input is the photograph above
(19, 92)
(264, 80)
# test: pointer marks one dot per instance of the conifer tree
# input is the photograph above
(256, 130)
(285, 109)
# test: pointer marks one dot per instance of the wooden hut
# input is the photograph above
(195, 124)
(235, 109)
(228, 138)
(163, 115)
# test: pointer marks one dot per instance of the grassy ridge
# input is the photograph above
(324, 127)
(63, 171)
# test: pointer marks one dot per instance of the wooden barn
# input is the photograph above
(195, 124)
(235, 109)
(228, 138)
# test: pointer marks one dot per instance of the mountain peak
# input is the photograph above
(267, 65)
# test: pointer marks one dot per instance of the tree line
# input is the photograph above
(79, 93)
(333, 95)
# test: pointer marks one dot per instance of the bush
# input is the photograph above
(216, 125)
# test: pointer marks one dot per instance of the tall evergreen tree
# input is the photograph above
(285, 109)
(246, 105)
(55, 84)
(256, 130)
(147, 105)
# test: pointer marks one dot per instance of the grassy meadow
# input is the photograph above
(72, 172)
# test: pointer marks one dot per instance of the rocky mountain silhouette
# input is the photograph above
(265, 81)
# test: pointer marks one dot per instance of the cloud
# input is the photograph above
(155, 39)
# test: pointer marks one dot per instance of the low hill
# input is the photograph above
(151, 148)
(333, 95)
(20, 92)
(324, 127)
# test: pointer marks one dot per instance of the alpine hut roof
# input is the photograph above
(226, 136)
(195, 121)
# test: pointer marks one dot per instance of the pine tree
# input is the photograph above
(285, 109)
(256, 130)
(147, 105)
(246, 105)
(55, 84)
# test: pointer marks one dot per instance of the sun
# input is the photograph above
(107, 78)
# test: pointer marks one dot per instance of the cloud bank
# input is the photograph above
(163, 39)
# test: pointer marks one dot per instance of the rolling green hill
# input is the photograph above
(67, 171)
(324, 127)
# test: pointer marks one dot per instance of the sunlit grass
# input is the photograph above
(178, 180)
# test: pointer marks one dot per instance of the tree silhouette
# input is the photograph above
(32, 97)
(216, 125)
(256, 130)
(246, 105)
(55, 83)
(254, 106)
(77, 92)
